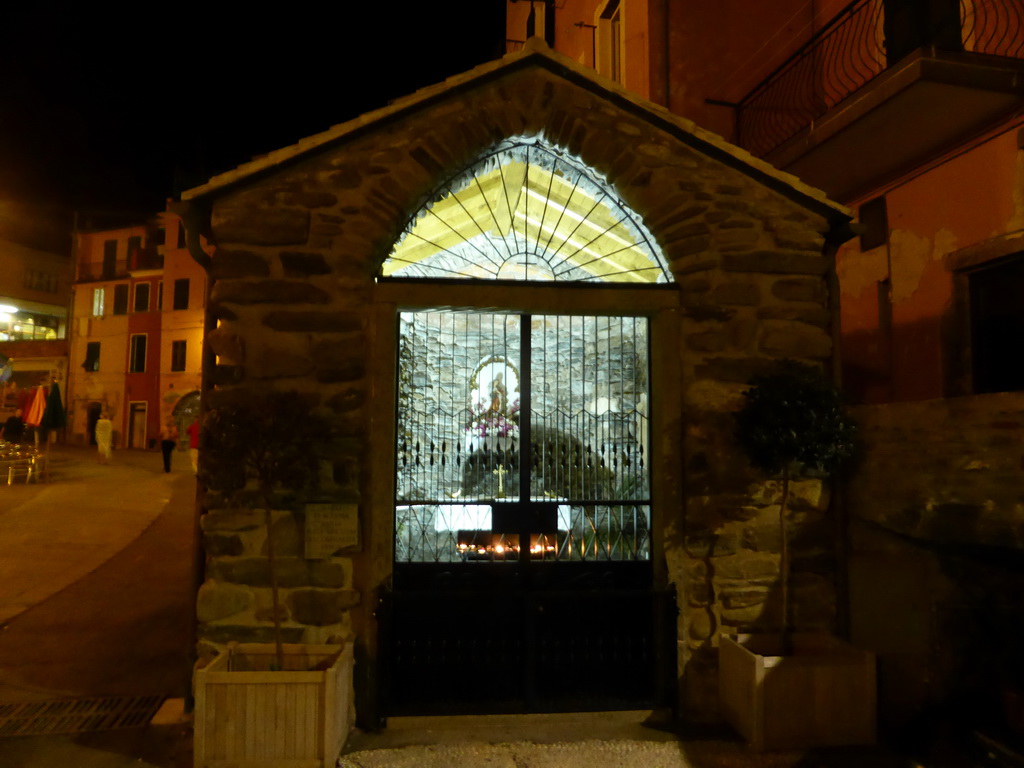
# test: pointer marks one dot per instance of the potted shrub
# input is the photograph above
(795, 690)
(269, 704)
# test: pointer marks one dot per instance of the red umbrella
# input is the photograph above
(34, 417)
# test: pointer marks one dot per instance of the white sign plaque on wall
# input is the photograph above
(329, 528)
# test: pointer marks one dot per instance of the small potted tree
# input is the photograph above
(795, 690)
(269, 704)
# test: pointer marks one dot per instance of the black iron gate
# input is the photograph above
(523, 578)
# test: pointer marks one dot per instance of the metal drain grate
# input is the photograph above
(36, 718)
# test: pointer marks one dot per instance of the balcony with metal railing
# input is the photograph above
(95, 271)
(143, 259)
(884, 85)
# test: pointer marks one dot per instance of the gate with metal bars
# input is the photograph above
(523, 575)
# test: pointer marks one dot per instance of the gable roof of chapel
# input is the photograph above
(535, 55)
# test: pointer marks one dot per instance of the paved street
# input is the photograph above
(95, 599)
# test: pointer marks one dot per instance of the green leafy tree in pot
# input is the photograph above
(262, 443)
(793, 423)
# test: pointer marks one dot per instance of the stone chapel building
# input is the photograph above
(528, 301)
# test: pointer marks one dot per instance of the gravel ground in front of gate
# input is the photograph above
(613, 754)
(581, 740)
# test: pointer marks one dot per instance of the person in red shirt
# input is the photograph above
(193, 444)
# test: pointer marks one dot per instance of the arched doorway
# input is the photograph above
(186, 411)
(523, 555)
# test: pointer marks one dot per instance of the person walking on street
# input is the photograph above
(168, 440)
(104, 437)
(193, 444)
(13, 430)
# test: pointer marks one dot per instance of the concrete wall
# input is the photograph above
(967, 202)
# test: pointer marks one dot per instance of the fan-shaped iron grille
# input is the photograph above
(527, 211)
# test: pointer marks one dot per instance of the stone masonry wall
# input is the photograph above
(296, 254)
(944, 470)
(754, 293)
(234, 603)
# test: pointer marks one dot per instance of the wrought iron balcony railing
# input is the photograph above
(849, 52)
(146, 258)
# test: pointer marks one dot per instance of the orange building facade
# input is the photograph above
(909, 113)
(137, 332)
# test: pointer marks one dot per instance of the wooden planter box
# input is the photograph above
(247, 716)
(821, 696)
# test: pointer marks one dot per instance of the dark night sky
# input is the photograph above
(118, 107)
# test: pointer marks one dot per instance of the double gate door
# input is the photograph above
(523, 578)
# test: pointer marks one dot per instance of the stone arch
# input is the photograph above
(185, 410)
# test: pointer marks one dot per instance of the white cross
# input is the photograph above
(500, 472)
